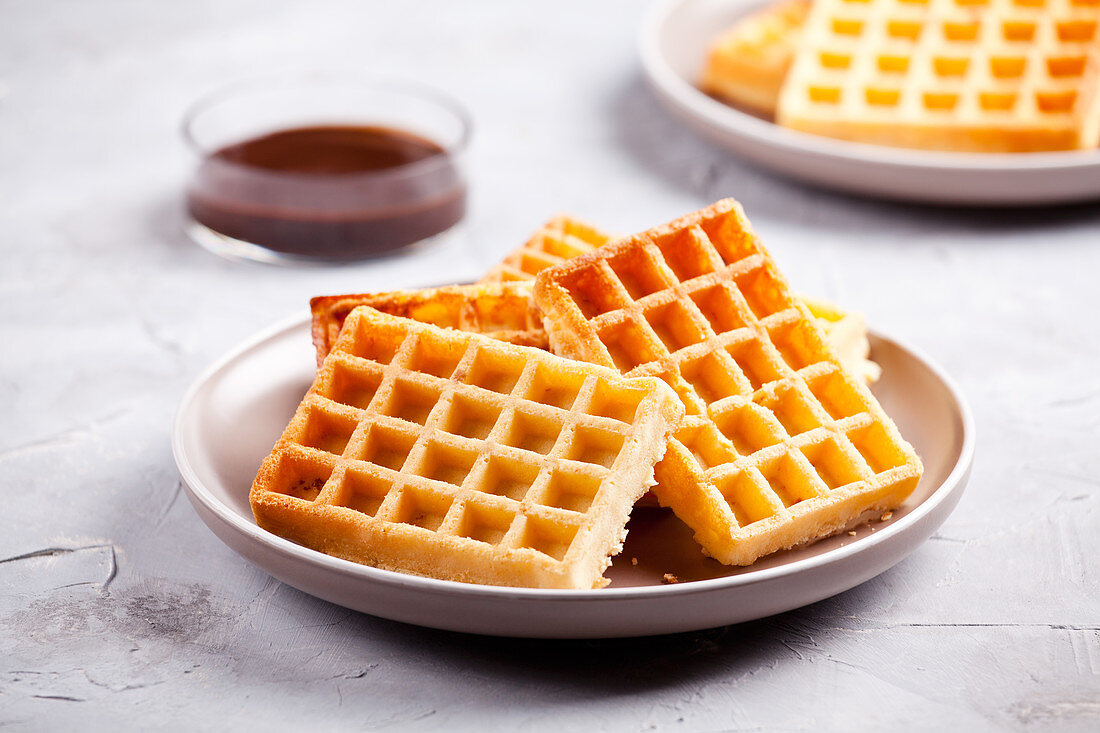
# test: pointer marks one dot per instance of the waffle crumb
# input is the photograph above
(852, 533)
(633, 561)
(886, 516)
(669, 579)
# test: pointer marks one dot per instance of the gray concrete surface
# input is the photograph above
(119, 609)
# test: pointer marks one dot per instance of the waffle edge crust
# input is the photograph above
(451, 455)
(780, 445)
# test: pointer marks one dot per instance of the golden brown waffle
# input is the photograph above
(452, 455)
(846, 332)
(502, 311)
(563, 238)
(780, 445)
(747, 64)
(964, 75)
(560, 239)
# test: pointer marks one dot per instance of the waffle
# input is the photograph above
(781, 445)
(962, 75)
(747, 64)
(846, 332)
(563, 238)
(448, 454)
(560, 239)
(502, 311)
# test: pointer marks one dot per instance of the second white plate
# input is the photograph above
(673, 43)
(234, 412)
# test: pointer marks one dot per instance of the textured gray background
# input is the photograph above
(118, 607)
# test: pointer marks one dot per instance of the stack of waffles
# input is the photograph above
(500, 433)
(958, 75)
(500, 304)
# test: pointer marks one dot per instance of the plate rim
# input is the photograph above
(674, 88)
(198, 491)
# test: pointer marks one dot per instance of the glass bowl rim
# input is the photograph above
(424, 92)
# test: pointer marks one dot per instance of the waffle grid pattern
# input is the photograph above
(498, 455)
(780, 445)
(978, 75)
(503, 311)
(560, 239)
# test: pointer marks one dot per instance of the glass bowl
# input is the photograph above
(324, 168)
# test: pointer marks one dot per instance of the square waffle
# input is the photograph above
(560, 239)
(963, 75)
(448, 454)
(502, 311)
(780, 444)
(747, 64)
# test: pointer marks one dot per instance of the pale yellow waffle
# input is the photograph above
(560, 239)
(781, 445)
(502, 311)
(747, 64)
(962, 75)
(452, 455)
(846, 332)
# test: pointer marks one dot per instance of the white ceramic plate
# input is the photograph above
(232, 415)
(673, 43)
